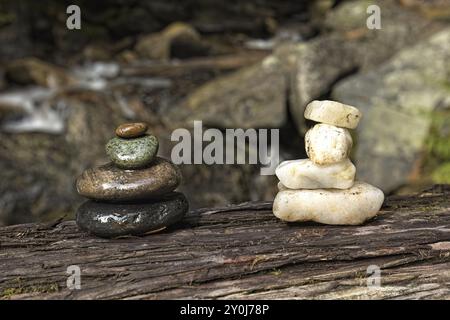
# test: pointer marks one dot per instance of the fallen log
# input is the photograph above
(178, 68)
(241, 252)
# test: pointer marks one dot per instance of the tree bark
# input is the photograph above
(241, 252)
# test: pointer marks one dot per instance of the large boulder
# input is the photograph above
(348, 47)
(252, 97)
(398, 101)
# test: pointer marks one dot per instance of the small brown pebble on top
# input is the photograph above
(131, 130)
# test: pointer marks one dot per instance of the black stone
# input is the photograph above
(110, 220)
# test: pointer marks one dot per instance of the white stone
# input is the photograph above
(282, 187)
(334, 113)
(327, 144)
(329, 206)
(305, 174)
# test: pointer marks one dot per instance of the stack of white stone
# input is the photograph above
(323, 188)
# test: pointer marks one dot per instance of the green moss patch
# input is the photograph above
(39, 288)
(442, 174)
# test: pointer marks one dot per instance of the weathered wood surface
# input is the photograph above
(240, 252)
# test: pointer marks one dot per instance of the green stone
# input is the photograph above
(132, 153)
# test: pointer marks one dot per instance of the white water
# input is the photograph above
(40, 115)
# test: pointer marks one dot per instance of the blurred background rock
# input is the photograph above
(232, 64)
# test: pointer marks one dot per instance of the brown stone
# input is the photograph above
(177, 40)
(109, 183)
(131, 130)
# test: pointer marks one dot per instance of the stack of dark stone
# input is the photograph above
(133, 194)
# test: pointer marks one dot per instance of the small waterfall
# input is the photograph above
(40, 115)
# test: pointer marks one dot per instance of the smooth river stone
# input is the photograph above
(334, 113)
(305, 174)
(132, 153)
(327, 144)
(109, 183)
(110, 220)
(329, 206)
(131, 130)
